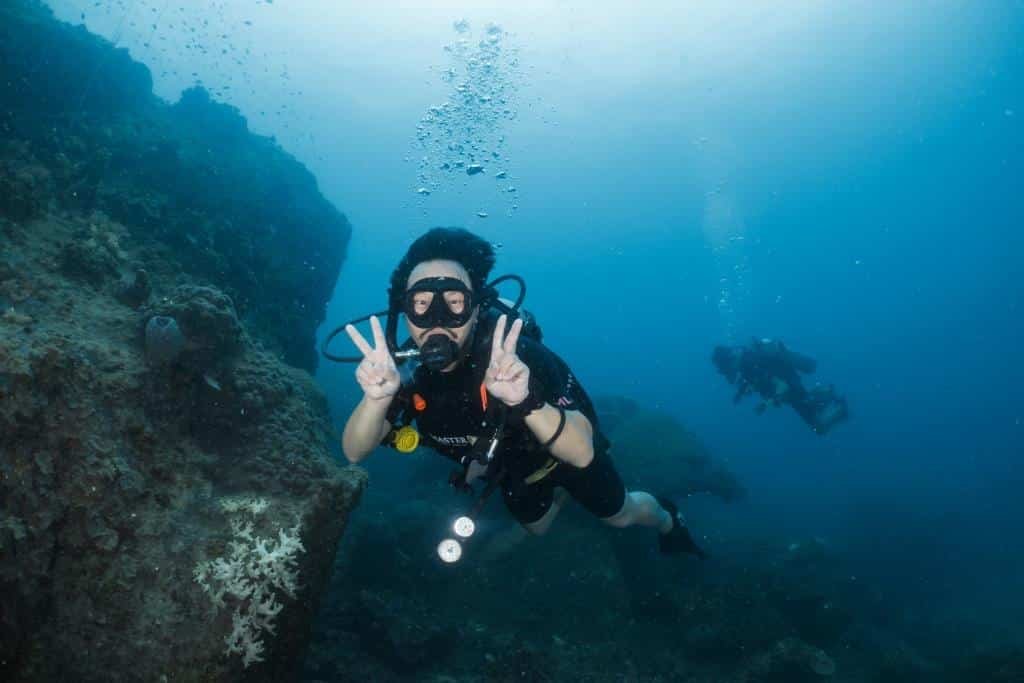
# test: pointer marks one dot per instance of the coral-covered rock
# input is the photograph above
(816, 617)
(112, 468)
(88, 261)
(207, 319)
(108, 500)
(520, 663)
(653, 446)
(134, 289)
(188, 180)
(398, 630)
(790, 660)
(24, 184)
(82, 71)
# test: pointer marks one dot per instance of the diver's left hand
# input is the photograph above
(507, 377)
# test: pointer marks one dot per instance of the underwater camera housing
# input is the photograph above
(435, 353)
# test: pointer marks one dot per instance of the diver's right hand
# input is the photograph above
(377, 373)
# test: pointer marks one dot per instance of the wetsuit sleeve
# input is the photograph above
(552, 377)
(397, 407)
(558, 385)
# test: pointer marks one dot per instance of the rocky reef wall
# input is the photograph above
(169, 509)
(83, 133)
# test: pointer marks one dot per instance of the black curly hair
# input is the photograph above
(472, 252)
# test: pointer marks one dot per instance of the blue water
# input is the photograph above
(846, 177)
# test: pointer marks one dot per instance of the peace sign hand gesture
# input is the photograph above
(507, 377)
(377, 373)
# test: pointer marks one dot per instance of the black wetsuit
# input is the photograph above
(763, 365)
(453, 412)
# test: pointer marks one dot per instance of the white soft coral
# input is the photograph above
(253, 571)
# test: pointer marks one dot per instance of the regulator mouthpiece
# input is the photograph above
(438, 352)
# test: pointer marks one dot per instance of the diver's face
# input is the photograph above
(422, 300)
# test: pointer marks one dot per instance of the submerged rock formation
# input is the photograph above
(651, 446)
(81, 132)
(169, 509)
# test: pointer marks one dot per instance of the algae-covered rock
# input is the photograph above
(88, 261)
(207, 320)
(25, 184)
(653, 446)
(805, 657)
(134, 289)
(112, 467)
(790, 660)
(81, 131)
(397, 629)
(81, 70)
(109, 470)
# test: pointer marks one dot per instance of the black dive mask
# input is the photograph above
(438, 302)
(444, 302)
(438, 352)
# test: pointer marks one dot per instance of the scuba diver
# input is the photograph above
(768, 368)
(490, 396)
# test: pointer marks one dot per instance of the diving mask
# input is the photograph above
(438, 302)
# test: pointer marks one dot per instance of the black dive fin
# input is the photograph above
(678, 540)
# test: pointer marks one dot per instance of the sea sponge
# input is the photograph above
(164, 340)
(208, 321)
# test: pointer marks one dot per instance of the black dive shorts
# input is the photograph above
(597, 487)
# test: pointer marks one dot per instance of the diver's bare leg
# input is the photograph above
(641, 508)
(540, 527)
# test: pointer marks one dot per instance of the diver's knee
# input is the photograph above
(622, 518)
(541, 526)
(618, 521)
